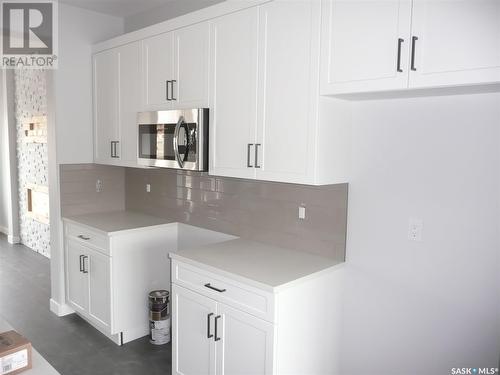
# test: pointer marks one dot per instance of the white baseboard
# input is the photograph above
(60, 309)
(13, 239)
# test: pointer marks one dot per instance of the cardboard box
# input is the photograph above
(15, 353)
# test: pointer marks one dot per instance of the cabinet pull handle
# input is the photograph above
(413, 42)
(216, 338)
(112, 149)
(116, 153)
(84, 270)
(400, 42)
(81, 267)
(214, 288)
(257, 155)
(81, 236)
(167, 85)
(172, 87)
(249, 151)
(209, 335)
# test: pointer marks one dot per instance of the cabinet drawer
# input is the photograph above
(88, 236)
(220, 288)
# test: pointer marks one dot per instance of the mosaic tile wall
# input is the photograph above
(32, 158)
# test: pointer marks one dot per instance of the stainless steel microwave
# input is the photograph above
(174, 139)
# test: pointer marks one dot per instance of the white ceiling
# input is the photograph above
(118, 8)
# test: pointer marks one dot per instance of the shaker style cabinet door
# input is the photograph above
(193, 352)
(129, 101)
(365, 45)
(99, 273)
(455, 42)
(77, 288)
(106, 107)
(190, 85)
(233, 103)
(287, 96)
(158, 57)
(246, 345)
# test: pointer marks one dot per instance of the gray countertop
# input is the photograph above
(266, 266)
(117, 221)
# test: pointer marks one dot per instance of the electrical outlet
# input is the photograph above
(98, 186)
(302, 212)
(148, 188)
(415, 229)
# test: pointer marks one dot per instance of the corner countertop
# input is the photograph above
(117, 221)
(265, 266)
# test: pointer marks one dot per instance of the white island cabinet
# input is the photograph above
(241, 307)
(113, 260)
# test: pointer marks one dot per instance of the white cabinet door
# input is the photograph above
(233, 98)
(129, 57)
(363, 41)
(288, 90)
(191, 66)
(77, 289)
(106, 123)
(98, 270)
(246, 346)
(158, 57)
(458, 42)
(193, 352)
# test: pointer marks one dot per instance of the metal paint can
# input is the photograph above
(159, 317)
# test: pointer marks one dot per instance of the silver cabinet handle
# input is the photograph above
(398, 64)
(214, 288)
(112, 149)
(172, 89)
(249, 151)
(216, 338)
(257, 155)
(114, 154)
(209, 335)
(81, 266)
(84, 270)
(167, 85)
(82, 237)
(413, 42)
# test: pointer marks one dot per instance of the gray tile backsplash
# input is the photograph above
(257, 210)
(261, 211)
(78, 189)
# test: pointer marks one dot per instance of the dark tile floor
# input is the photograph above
(71, 345)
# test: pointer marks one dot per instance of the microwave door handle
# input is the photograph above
(176, 142)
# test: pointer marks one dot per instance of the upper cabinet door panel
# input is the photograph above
(191, 66)
(106, 110)
(288, 89)
(458, 42)
(158, 53)
(363, 40)
(233, 98)
(130, 97)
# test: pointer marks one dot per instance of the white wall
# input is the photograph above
(170, 10)
(9, 218)
(69, 101)
(79, 29)
(423, 307)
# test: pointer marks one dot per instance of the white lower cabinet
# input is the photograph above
(210, 337)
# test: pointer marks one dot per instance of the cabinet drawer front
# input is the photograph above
(88, 236)
(249, 299)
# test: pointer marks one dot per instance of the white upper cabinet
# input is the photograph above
(106, 108)
(176, 69)
(158, 56)
(389, 45)
(458, 42)
(233, 99)
(190, 85)
(288, 94)
(365, 45)
(117, 86)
